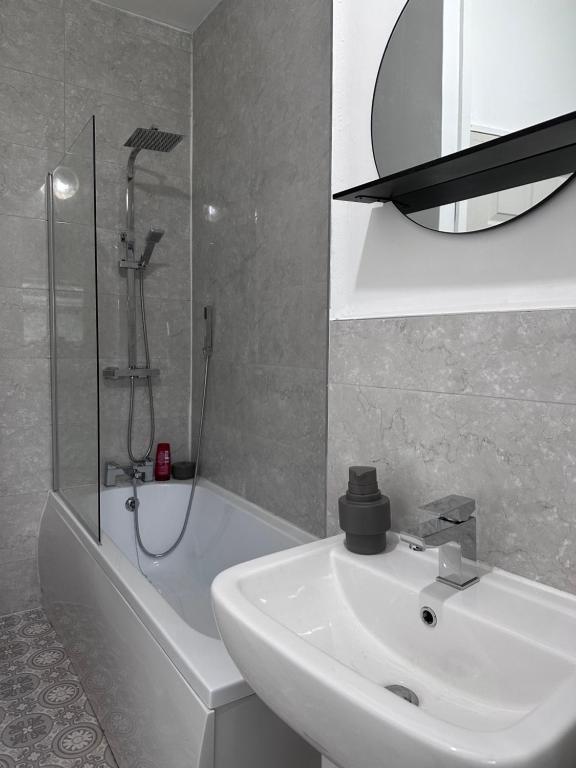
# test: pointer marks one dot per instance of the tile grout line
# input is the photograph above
(152, 22)
(20, 216)
(472, 395)
(32, 74)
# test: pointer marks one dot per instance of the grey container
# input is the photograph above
(364, 513)
(183, 470)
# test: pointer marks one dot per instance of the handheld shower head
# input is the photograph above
(152, 239)
(208, 328)
(155, 234)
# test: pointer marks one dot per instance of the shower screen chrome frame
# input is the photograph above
(86, 156)
(52, 329)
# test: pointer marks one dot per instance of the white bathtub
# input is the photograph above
(146, 647)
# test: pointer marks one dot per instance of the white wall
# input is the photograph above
(383, 264)
(541, 76)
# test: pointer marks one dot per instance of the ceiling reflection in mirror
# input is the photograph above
(458, 73)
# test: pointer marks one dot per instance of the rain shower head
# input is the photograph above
(153, 139)
(152, 239)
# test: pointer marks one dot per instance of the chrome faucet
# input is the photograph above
(113, 471)
(453, 531)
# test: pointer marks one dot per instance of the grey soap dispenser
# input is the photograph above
(364, 513)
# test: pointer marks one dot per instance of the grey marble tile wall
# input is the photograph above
(60, 62)
(261, 188)
(481, 405)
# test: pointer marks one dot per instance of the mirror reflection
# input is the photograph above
(457, 73)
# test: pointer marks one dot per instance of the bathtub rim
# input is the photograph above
(214, 678)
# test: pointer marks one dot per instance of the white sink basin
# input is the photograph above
(319, 633)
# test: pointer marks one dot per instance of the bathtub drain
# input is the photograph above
(404, 693)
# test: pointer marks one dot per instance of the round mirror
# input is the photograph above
(458, 73)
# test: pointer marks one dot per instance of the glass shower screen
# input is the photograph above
(71, 214)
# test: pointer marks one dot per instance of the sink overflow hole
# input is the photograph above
(404, 693)
(428, 617)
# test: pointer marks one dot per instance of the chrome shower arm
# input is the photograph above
(130, 175)
(131, 162)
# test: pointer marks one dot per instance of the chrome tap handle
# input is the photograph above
(451, 529)
(146, 469)
(456, 509)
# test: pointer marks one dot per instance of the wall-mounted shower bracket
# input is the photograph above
(131, 373)
(129, 264)
(128, 241)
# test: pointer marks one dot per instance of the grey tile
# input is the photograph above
(112, 333)
(20, 586)
(77, 396)
(76, 335)
(290, 314)
(168, 275)
(298, 236)
(32, 36)
(171, 405)
(117, 118)
(23, 323)
(75, 262)
(75, 173)
(154, 32)
(224, 458)
(169, 428)
(286, 482)
(261, 245)
(286, 405)
(78, 453)
(171, 392)
(103, 53)
(113, 442)
(130, 24)
(111, 250)
(228, 395)
(23, 261)
(20, 522)
(514, 457)
(292, 484)
(22, 178)
(31, 110)
(261, 321)
(24, 392)
(168, 329)
(173, 429)
(235, 313)
(77, 380)
(160, 201)
(25, 459)
(83, 499)
(526, 355)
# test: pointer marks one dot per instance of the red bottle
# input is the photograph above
(162, 465)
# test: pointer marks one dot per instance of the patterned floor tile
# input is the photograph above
(45, 719)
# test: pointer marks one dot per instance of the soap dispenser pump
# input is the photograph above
(364, 513)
